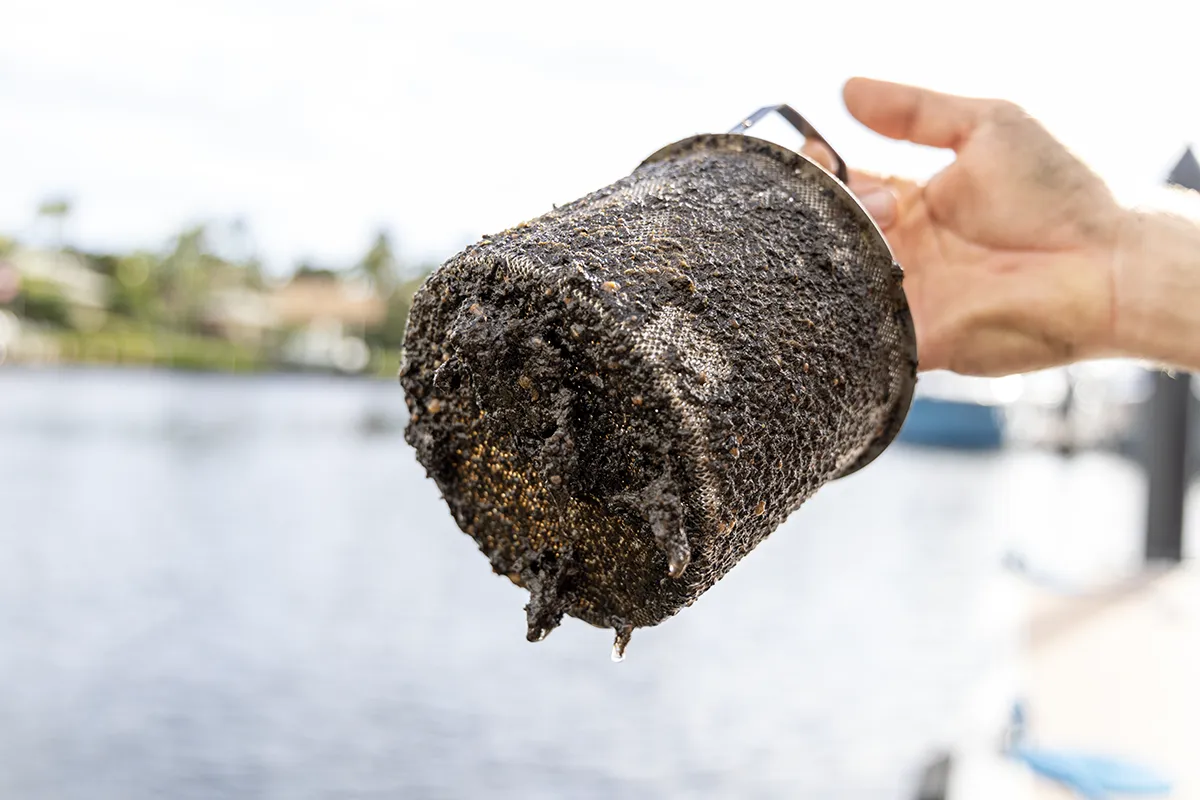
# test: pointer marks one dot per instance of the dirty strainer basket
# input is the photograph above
(621, 398)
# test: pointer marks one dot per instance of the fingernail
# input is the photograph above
(880, 204)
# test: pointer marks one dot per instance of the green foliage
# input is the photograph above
(390, 333)
(379, 264)
(133, 346)
(160, 306)
(42, 301)
(385, 363)
(252, 274)
(306, 270)
(104, 263)
(208, 355)
(134, 292)
(54, 207)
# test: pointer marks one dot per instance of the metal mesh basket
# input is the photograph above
(621, 398)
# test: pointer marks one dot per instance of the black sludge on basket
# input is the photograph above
(621, 398)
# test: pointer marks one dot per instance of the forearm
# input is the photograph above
(1156, 289)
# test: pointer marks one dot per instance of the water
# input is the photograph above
(246, 588)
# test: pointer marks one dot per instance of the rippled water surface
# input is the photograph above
(246, 588)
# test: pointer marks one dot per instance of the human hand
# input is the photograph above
(1008, 252)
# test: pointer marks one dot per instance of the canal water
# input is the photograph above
(218, 587)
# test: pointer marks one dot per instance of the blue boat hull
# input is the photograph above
(952, 424)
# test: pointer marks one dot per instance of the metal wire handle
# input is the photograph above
(801, 124)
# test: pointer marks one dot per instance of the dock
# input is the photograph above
(1110, 672)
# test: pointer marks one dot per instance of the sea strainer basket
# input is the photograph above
(621, 398)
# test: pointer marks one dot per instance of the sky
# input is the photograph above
(320, 123)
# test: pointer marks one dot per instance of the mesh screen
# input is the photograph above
(621, 398)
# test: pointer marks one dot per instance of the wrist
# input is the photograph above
(1156, 289)
(1129, 301)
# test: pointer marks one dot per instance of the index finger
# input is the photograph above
(911, 113)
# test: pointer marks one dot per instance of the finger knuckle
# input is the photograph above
(1007, 111)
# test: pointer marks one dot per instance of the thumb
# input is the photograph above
(911, 113)
(872, 190)
(879, 200)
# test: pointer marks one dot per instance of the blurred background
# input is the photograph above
(222, 572)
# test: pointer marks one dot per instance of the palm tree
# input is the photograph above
(379, 264)
(56, 210)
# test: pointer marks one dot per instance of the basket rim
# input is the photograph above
(741, 143)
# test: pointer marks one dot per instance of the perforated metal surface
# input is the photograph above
(621, 398)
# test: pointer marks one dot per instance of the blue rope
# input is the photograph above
(1092, 776)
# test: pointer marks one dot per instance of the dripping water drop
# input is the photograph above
(624, 633)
